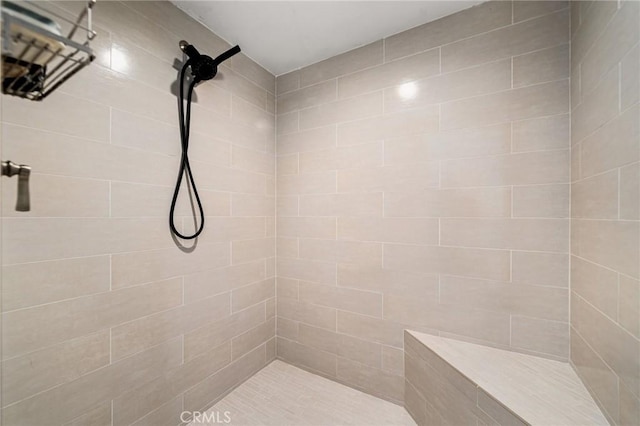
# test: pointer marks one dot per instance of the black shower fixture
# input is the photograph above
(203, 68)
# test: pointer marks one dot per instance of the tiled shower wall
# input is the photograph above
(605, 239)
(445, 210)
(106, 321)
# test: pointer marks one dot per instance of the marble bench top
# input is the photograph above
(539, 390)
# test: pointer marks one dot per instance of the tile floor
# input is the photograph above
(281, 394)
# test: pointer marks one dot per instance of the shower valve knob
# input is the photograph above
(9, 168)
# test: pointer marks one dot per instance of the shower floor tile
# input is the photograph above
(281, 394)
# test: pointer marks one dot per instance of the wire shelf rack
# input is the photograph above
(38, 58)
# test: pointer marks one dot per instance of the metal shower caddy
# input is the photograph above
(63, 62)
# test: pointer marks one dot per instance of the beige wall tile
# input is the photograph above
(358, 252)
(361, 351)
(287, 82)
(378, 382)
(548, 201)
(288, 288)
(614, 244)
(287, 328)
(541, 134)
(473, 202)
(244, 343)
(243, 297)
(597, 107)
(315, 315)
(619, 36)
(482, 18)
(346, 63)
(62, 113)
(38, 327)
(482, 325)
(38, 371)
(307, 227)
(64, 403)
(617, 348)
(540, 335)
(368, 328)
(629, 405)
(351, 205)
(354, 108)
(544, 65)
(516, 169)
(307, 97)
(629, 304)
(597, 155)
(595, 284)
(211, 335)
(128, 269)
(31, 284)
(287, 247)
(386, 281)
(390, 74)
(318, 338)
(519, 234)
(287, 123)
(309, 358)
(248, 250)
(596, 197)
(594, 371)
(216, 385)
(409, 178)
(478, 263)
(423, 120)
(629, 81)
(146, 332)
(393, 360)
(530, 9)
(475, 142)
(537, 268)
(209, 282)
(307, 140)
(518, 104)
(474, 81)
(527, 36)
(307, 270)
(344, 299)
(167, 414)
(532, 301)
(630, 192)
(59, 196)
(364, 155)
(407, 230)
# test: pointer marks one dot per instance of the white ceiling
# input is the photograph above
(286, 35)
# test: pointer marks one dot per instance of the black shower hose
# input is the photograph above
(185, 167)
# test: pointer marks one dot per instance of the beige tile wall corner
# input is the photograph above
(605, 209)
(447, 212)
(105, 320)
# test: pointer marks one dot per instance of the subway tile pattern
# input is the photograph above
(605, 218)
(423, 183)
(105, 319)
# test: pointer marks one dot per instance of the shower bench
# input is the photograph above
(453, 382)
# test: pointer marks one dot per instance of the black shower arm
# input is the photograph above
(226, 55)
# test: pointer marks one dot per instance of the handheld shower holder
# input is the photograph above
(9, 168)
